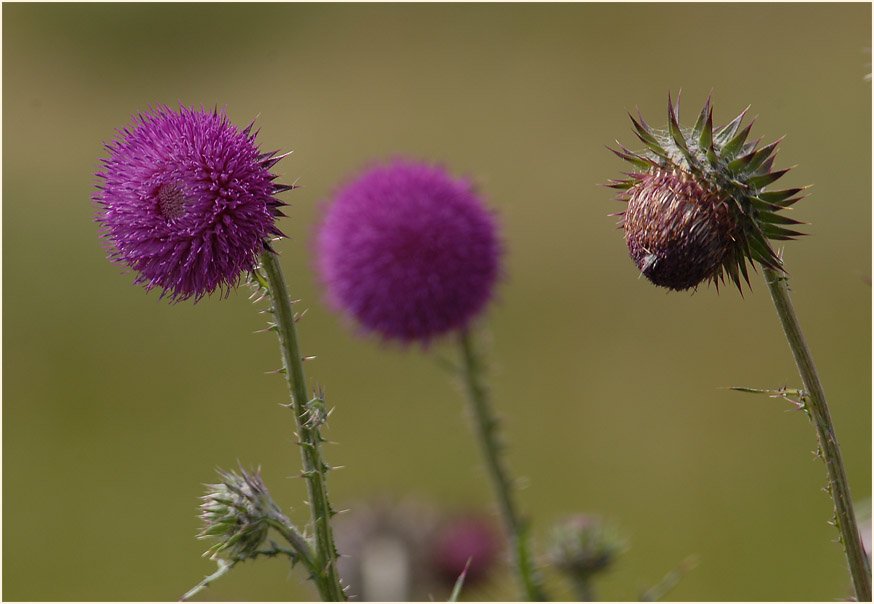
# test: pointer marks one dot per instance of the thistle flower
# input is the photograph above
(187, 201)
(408, 252)
(236, 511)
(699, 205)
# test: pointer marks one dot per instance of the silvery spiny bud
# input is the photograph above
(584, 545)
(236, 513)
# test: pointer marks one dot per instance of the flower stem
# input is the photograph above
(838, 487)
(314, 467)
(486, 426)
(224, 567)
(301, 547)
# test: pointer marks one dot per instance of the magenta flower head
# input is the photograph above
(187, 201)
(408, 252)
(466, 543)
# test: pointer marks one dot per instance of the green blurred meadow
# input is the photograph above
(118, 406)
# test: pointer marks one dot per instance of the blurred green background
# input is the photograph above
(117, 406)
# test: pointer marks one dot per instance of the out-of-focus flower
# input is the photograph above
(187, 201)
(699, 202)
(408, 252)
(466, 542)
(408, 551)
(583, 545)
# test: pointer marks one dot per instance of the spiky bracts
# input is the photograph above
(698, 202)
(237, 512)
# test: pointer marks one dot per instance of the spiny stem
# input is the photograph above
(302, 550)
(486, 425)
(224, 567)
(838, 487)
(314, 468)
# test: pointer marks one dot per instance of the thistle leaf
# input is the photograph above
(773, 231)
(764, 206)
(740, 164)
(643, 131)
(762, 154)
(732, 147)
(727, 132)
(632, 158)
(768, 164)
(762, 252)
(772, 218)
(763, 180)
(741, 260)
(705, 139)
(699, 127)
(780, 198)
(731, 268)
(674, 126)
(622, 185)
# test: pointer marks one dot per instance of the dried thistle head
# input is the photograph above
(698, 202)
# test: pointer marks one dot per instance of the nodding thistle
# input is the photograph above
(698, 203)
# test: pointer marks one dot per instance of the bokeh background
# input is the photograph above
(118, 406)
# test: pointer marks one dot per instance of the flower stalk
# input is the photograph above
(486, 431)
(308, 431)
(829, 450)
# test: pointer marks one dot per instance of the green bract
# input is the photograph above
(699, 205)
(236, 513)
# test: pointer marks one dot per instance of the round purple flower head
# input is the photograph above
(187, 201)
(408, 252)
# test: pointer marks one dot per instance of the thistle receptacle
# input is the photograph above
(699, 208)
(698, 202)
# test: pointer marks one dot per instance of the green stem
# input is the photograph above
(486, 426)
(314, 468)
(224, 567)
(838, 487)
(583, 590)
(301, 547)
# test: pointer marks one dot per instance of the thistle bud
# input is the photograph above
(236, 512)
(699, 207)
(583, 545)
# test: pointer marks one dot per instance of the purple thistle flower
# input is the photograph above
(408, 252)
(187, 201)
